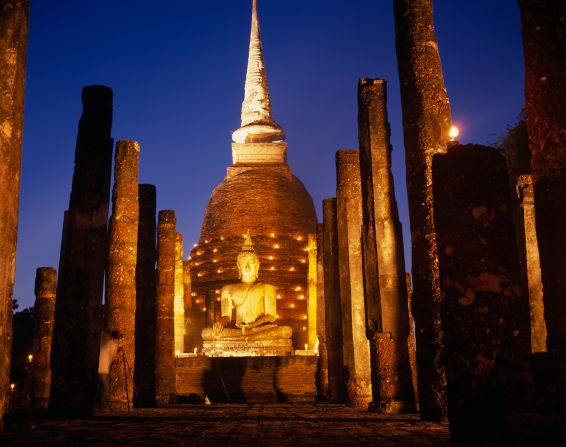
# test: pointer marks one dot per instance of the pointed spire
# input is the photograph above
(256, 105)
(256, 108)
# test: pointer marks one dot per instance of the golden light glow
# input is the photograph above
(276, 246)
(306, 347)
(219, 271)
(206, 241)
(292, 305)
(292, 269)
(277, 316)
(304, 328)
(199, 274)
(270, 258)
(195, 350)
(304, 317)
(178, 352)
(278, 297)
(195, 245)
(190, 257)
(272, 234)
(303, 261)
(204, 309)
(301, 297)
(197, 301)
(214, 261)
(215, 250)
(453, 133)
(222, 238)
(193, 294)
(30, 358)
(218, 299)
(12, 386)
(299, 238)
(272, 269)
(298, 289)
(199, 253)
(217, 291)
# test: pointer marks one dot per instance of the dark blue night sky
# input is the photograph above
(177, 69)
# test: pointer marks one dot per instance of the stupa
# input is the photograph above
(261, 195)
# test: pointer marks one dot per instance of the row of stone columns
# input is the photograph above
(145, 304)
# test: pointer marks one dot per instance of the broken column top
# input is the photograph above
(45, 281)
(167, 217)
(347, 166)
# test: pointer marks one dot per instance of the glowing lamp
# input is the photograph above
(30, 358)
(453, 133)
(178, 353)
(195, 350)
(306, 347)
(12, 386)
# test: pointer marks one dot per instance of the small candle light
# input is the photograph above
(453, 133)
(306, 347)
(30, 358)
(195, 351)
(12, 386)
(178, 353)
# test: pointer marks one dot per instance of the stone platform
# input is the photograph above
(257, 348)
(248, 379)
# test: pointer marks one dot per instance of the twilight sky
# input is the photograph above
(177, 70)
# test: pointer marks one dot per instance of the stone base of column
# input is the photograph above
(392, 375)
(165, 399)
(359, 392)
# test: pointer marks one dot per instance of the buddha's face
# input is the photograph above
(248, 266)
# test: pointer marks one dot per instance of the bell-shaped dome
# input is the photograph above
(262, 201)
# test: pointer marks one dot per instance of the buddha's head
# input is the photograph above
(248, 262)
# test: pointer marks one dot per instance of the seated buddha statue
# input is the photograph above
(255, 304)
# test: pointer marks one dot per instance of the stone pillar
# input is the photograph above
(322, 386)
(13, 46)
(179, 304)
(188, 300)
(412, 343)
(534, 282)
(426, 124)
(144, 370)
(485, 314)
(544, 40)
(165, 325)
(78, 311)
(332, 305)
(311, 291)
(45, 289)
(388, 335)
(349, 218)
(120, 304)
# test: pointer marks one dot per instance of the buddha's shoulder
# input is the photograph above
(265, 286)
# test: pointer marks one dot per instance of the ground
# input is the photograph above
(231, 425)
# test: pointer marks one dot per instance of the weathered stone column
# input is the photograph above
(13, 46)
(311, 291)
(165, 325)
(544, 40)
(78, 308)
(426, 124)
(322, 387)
(412, 343)
(188, 300)
(485, 314)
(349, 218)
(332, 305)
(534, 282)
(120, 308)
(179, 304)
(388, 335)
(45, 289)
(144, 370)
